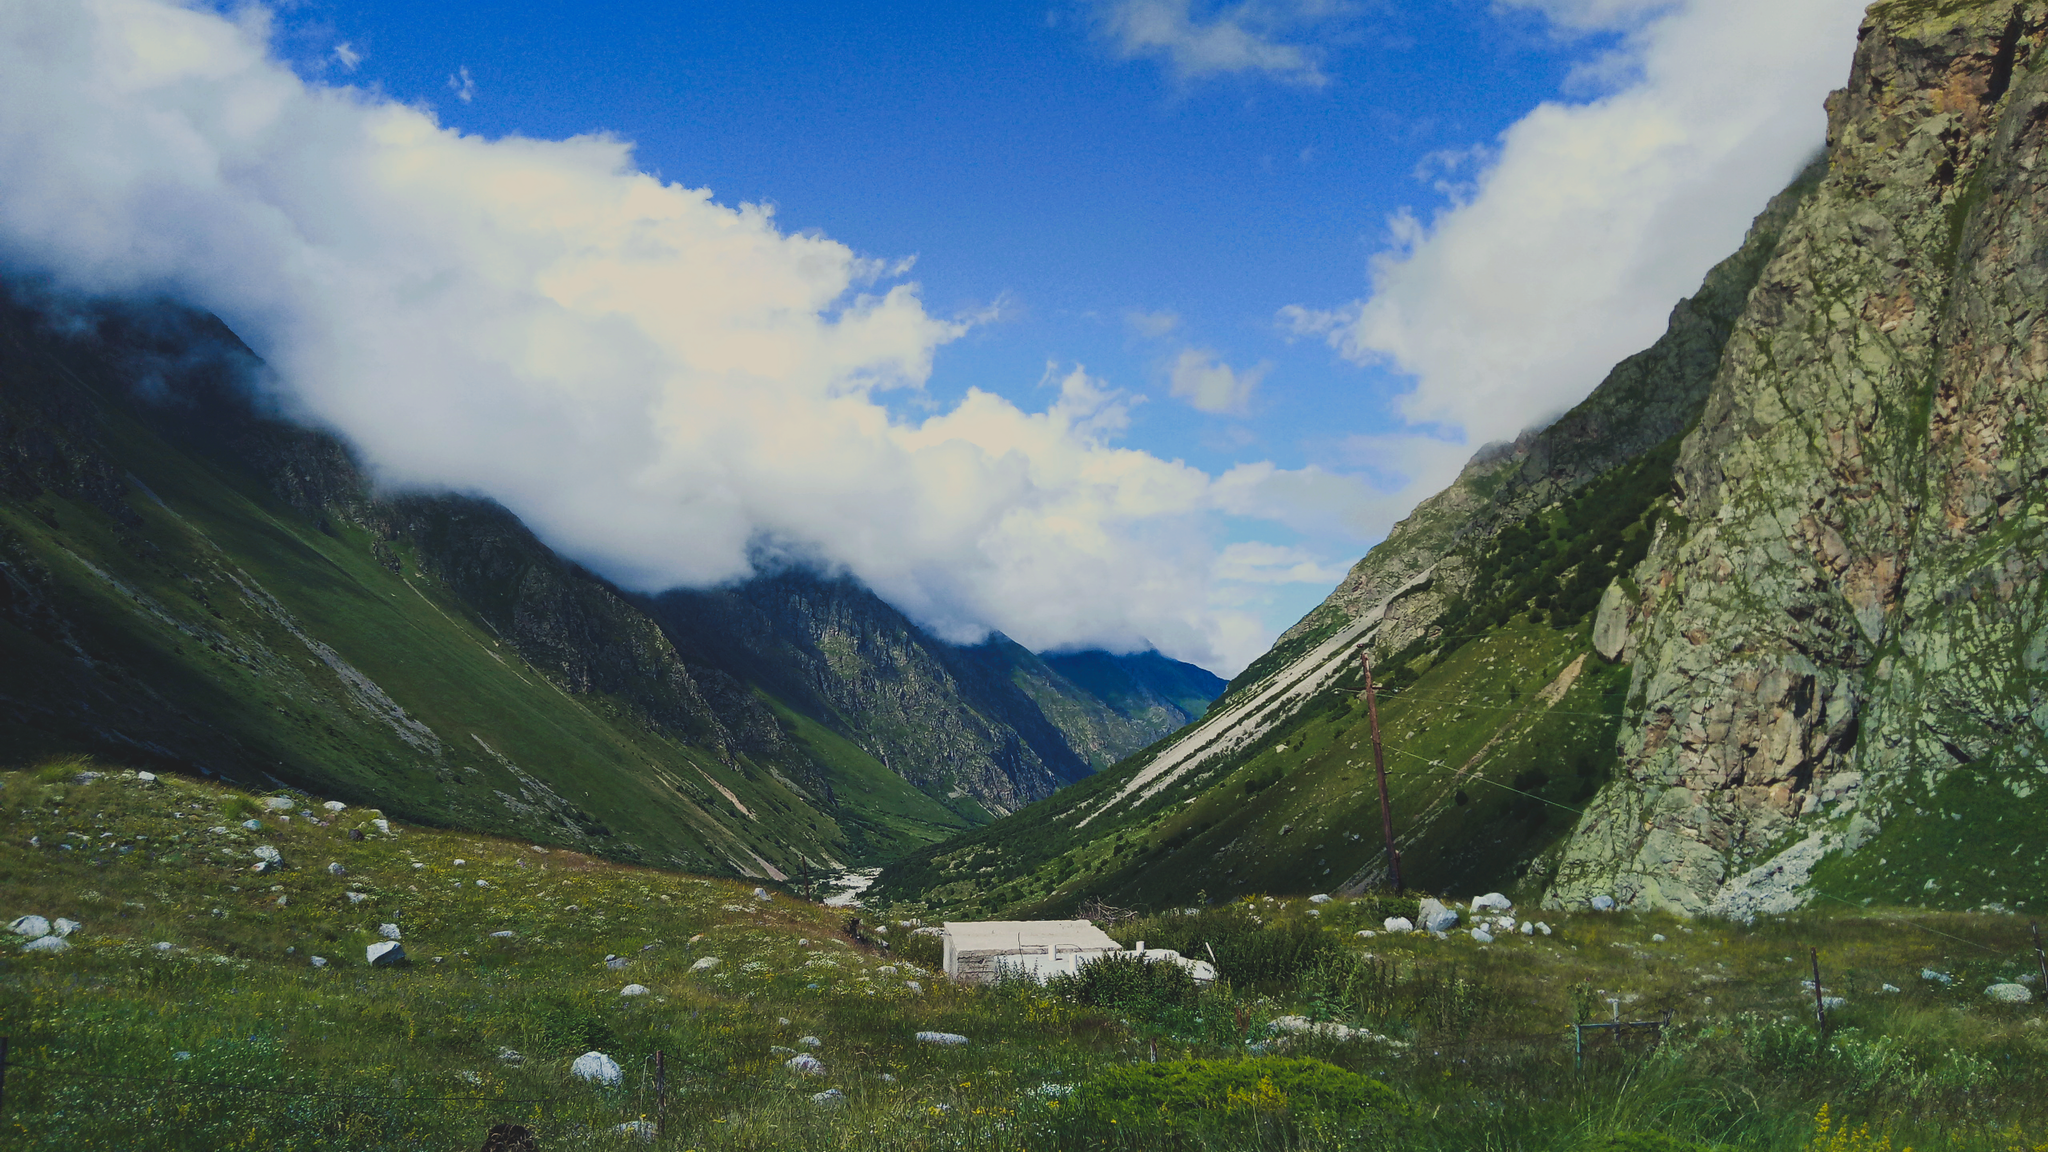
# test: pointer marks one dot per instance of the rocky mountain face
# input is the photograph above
(1839, 649)
(1759, 623)
(188, 583)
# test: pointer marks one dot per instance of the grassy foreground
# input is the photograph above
(187, 1012)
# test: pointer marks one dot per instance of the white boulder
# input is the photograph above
(279, 803)
(762, 894)
(1528, 929)
(829, 1098)
(805, 1064)
(319, 961)
(704, 964)
(267, 854)
(31, 926)
(595, 1067)
(385, 954)
(65, 927)
(1603, 903)
(1320, 898)
(942, 1039)
(810, 1042)
(1398, 924)
(2010, 993)
(381, 825)
(635, 990)
(334, 806)
(1482, 935)
(335, 869)
(389, 931)
(1492, 902)
(57, 944)
(145, 777)
(1436, 917)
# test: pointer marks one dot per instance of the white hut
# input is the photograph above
(979, 951)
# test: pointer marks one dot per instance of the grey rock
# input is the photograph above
(1602, 903)
(385, 954)
(318, 961)
(1492, 902)
(829, 1098)
(54, 944)
(1436, 917)
(1482, 935)
(2009, 993)
(1398, 924)
(389, 932)
(942, 1039)
(635, 990)
(335, 869)
(30, 926)
(805, 1064)
(704, 964)
(595, 1067)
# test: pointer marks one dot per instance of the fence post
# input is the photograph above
(1578, 1048)
(660, 1094)
(1820, 1005)
(2039, 955)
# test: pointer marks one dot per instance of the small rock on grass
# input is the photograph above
(805, 1065)
(829, 1098)
(386, 954)
(57, 944)
(335, 869)
(1398, 924)
(319, 961)
(943, 1039)
(704, 964)
(635, 990)
(31, 926)
(388, 931)
(2010, 993)
(1482, 935)
(595, 1067)
(811, 1042)
(1603, 903)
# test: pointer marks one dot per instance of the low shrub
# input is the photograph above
(1128, 983)
(1218, 1096)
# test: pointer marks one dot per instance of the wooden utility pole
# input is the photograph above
(1379, 764)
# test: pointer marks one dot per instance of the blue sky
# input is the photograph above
(1204, 296)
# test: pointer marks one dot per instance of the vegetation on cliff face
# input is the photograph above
(189, 584)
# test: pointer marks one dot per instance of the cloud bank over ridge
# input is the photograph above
(661, 385)
(1566, 252)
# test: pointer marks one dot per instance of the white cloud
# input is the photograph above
(1261, 37)
(1568, 252)
(1200, 378)
(462, 84)
(659, 384)
(1252, 562)
(1152, 325)
(347, 56)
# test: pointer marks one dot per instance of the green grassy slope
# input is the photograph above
(188, 618)
(187, 1013)
(1494, 730)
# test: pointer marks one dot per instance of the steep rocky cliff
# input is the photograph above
(1758, 623)
(1839, 650)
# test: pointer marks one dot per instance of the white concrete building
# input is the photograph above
(979, 951)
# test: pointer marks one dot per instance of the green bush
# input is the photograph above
(1640, 1142)
(238, 807)
(1246, 951)
(1181, 1095)
(1126, 982)
(927, 950)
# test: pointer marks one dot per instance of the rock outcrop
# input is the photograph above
(1843, 646)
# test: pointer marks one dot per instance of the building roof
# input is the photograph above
(1009, 935)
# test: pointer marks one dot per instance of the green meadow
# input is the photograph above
(188, 1013)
